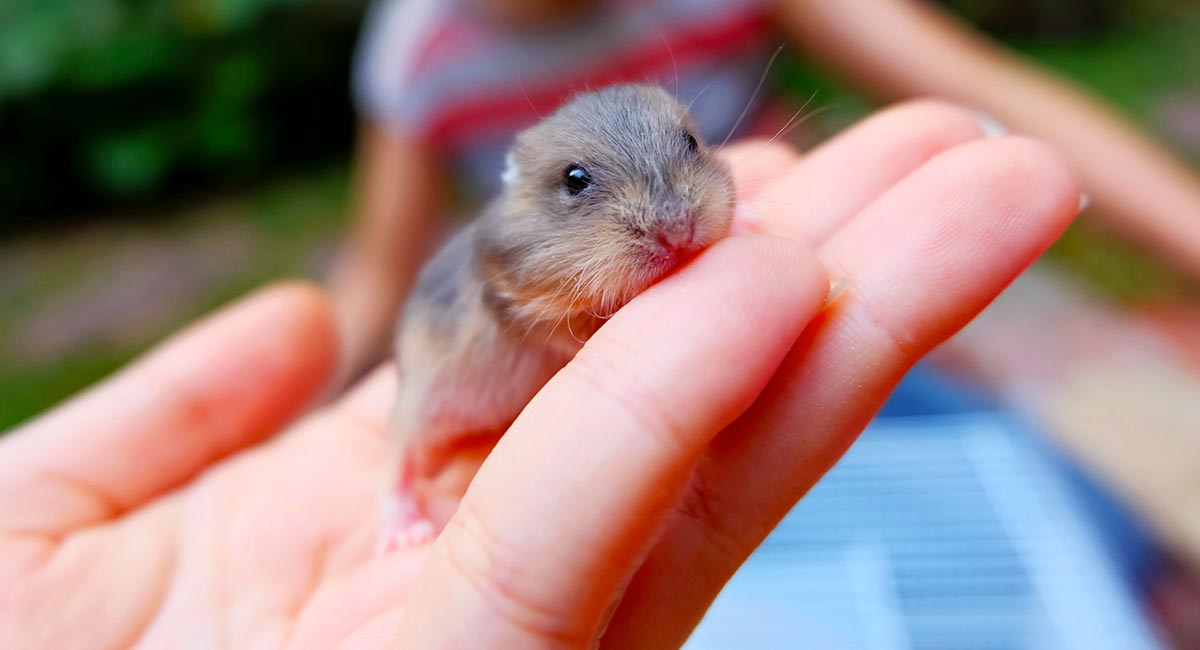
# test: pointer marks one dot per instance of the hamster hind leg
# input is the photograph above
(406, 519)
(438, 443)
(404, 522)
(458, 395)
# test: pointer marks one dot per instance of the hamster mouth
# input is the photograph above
(669, 251)
(657, 264)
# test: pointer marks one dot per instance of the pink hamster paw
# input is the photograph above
(398, 537)
(403, 524)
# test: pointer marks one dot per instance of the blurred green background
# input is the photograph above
(113, 103)
(158, 157)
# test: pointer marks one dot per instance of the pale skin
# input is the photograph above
(894, 49)
(178, 505)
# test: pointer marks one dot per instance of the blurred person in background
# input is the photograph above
(443, 86)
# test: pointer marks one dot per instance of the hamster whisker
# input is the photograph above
(568, 291)
(567, 316)
(545, 317)
(786, 204)
(785, 127)
(674, 64)
(521, 83)
(770, 177)
(795, 115)
(572, 333)
(553, 327)
(814, 113)
(761, 80)
(578, 282)
(702, 91)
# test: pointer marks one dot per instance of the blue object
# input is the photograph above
(925, 391)
(951, 531)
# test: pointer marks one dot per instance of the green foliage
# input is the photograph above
(290, 226)
(110, 102)
(105, 43)
(28, 391)
(1131, 67)
(1024, 18)
(1117, 267)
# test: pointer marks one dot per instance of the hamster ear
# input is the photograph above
(511, 171)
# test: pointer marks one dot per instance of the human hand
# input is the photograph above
(625, 495)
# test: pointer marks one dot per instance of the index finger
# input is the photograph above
(559, 515)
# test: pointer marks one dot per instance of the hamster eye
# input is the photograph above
(577, 179)
(690, 139)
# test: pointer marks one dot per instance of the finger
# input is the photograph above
(921, 262)
(811, 198)
(225, 383)
(759, 161)
(570, 498)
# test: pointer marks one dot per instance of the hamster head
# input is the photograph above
(601, 199)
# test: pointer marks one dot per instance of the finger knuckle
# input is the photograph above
(723, 525)
(498, 574)
(610, 372)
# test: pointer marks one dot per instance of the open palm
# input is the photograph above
(164, 508)
(123, 526)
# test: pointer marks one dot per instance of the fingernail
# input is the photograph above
(836, 289)
(1085, 200)
(746, 219)
(991, 127)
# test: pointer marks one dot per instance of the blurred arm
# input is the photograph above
(394, 226)
(904, 48)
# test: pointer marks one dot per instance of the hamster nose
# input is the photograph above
(677, 237)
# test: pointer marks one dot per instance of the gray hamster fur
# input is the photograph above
(601, 199)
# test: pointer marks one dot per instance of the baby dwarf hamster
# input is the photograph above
(600, 199)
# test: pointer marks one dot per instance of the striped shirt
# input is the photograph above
(436, 71)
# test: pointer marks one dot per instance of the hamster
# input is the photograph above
(600, 200)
